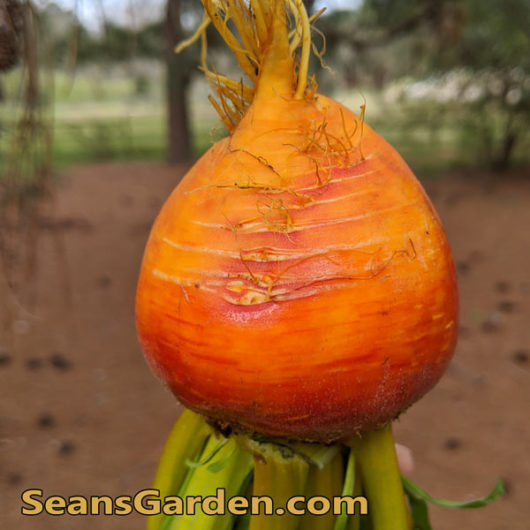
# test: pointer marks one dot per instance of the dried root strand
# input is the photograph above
(246, 27)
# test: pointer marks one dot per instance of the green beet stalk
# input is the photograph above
(280, 474)
(324, 481)
(185, 442)
(381, 479)
(215, 480)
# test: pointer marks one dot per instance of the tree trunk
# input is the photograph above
(179, 149)
(502, 158)
(502, 162)
(10, 14)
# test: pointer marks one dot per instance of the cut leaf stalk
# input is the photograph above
(185, 442)
(376, 455)
(324, 481)
(213, 483)
(279, 474)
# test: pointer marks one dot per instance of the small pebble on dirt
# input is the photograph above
(489, 327)
(464, 332)
(502, 287)
(506, 306)
(462, 267)
(60, 362)
(452, 444)
(5, 358)
(14, 478)
(508, 486)
(520, 357)
(34, 363)
(476, 256)
(46, 421)
(66, 448)
(104, 281)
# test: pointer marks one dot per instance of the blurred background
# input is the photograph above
(99, 120)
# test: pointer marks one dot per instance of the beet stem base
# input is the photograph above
(198, 461)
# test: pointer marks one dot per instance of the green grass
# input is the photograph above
(94, 119)
(83, 141)
(134, 138)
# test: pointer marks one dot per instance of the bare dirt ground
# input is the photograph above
(80, 412)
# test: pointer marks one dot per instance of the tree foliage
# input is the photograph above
(381, 41)
(483, 45)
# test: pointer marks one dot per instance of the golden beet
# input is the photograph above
(298, 281)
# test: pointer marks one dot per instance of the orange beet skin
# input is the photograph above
(298, 282)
